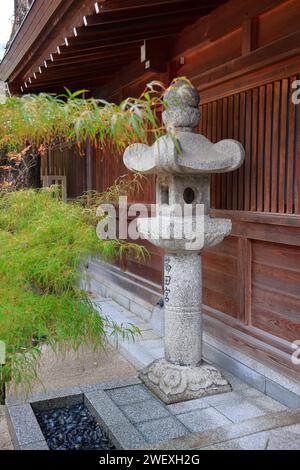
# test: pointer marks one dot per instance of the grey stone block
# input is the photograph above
(120, 299)
(141, 324)
(157, 320)
(239, 410)
(201, 420)
(126, 437)
(251, 377)
(145, 411)
(56, 398)
(236, 383)
(41, 445)
(281, 394)
(136, 354)
(23, 426)
(95, 287)
(268, 404)
(162, 429)
(186, 406)
(140, 311)
(209, 437)
(110, 384)
(229, 445)
(129, 395)
(104, 410)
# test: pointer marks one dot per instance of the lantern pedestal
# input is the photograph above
(183, 228)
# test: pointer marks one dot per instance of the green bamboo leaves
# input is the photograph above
(44, 118)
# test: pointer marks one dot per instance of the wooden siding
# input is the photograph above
(266, 122)
(67, 161)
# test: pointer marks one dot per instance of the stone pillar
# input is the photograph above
(183, 304)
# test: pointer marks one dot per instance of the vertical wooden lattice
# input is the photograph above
(267, 123)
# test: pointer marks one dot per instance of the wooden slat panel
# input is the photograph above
(218, 138)
(290, 207)
(236, 118)
(266, 122)
(268, 149)
(220, 275)
(230, 119)
(261, 142)
(275, 289)
(275, 146)
(282, 150)
(247, 163)
(224, 135)
(297, 160)
(254, 148)
(241, 138)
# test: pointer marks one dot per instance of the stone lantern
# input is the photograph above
(183, 161)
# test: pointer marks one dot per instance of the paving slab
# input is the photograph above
(145, 411)
(239, 410)
(129, 395)
(223, 434)
(162, 429)
(186, 406)
(201, 420)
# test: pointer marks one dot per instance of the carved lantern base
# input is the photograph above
(173, 383)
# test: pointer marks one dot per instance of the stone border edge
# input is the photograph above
(26, 433)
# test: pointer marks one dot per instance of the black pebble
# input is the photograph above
(72, 428)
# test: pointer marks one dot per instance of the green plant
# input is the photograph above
(43, 119)
(43, 242)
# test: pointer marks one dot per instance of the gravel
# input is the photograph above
(72, 428)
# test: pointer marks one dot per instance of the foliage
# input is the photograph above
(45, 118)
(43, 243)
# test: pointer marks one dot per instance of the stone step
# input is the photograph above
(150, 321)
(275, 431)
(146, 348)
(100, 284)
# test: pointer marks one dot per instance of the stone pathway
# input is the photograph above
(243, 404)
(242, 419)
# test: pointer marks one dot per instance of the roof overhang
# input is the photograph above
(77, 44)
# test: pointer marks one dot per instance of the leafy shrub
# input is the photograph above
(43, 242)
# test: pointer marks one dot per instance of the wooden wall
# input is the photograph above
(243, 58)
(68, 161)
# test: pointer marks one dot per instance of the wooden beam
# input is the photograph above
(130, 28)
(286, 48)
(140, 12)
(220, 22)
(249, 35)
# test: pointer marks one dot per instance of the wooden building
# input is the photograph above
(244, 57)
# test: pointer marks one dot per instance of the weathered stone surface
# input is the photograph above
(162, 429)
(201, 420)
(183, 304)
(183, 161)
(173, 383)
(129, 395)
(145, 410)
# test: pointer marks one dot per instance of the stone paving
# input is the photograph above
(243, 404)
(245, 418)
(134, 418)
